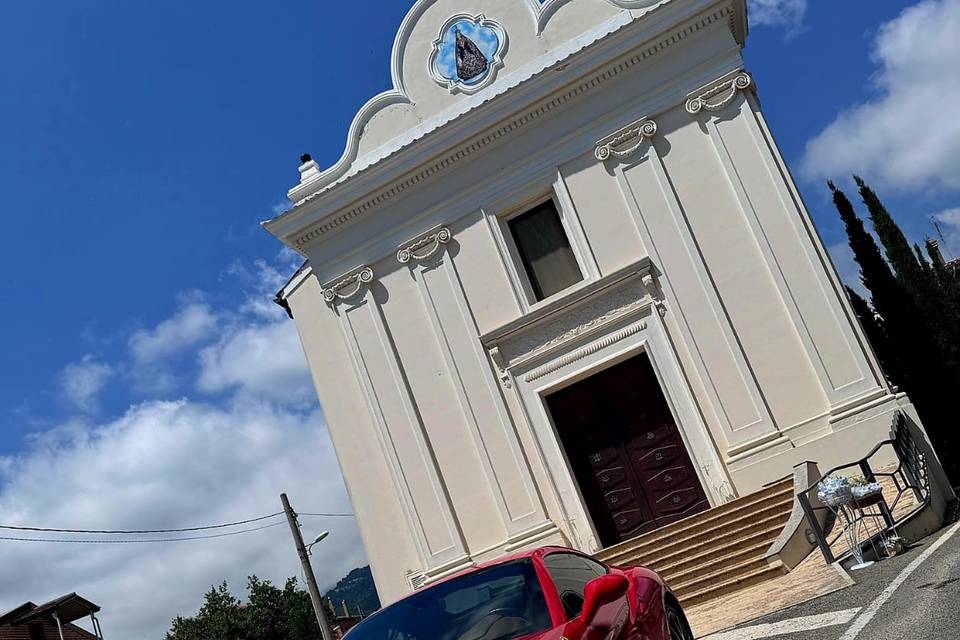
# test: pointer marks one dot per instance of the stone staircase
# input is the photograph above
(715, 552)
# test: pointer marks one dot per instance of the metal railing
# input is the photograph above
(911, 475)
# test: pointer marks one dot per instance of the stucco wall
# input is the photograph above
(446, 452)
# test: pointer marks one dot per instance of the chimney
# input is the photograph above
(309, 169)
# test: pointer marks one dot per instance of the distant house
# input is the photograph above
(51, 621)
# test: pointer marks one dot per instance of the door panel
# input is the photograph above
(626, 451)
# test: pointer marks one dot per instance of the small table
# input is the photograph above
(855, 511)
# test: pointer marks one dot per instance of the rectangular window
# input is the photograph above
(545, 250)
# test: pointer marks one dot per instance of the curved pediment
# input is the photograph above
(448, 52)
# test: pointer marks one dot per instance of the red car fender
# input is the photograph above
(646, 595)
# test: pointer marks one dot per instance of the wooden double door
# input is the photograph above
(626, 452)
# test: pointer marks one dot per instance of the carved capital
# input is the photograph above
(424, 246)
(720, 94)
(627, 141)
(496, 356)
(348, 286)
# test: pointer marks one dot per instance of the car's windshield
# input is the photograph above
(498, 603)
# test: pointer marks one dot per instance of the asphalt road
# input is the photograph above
(914, 596)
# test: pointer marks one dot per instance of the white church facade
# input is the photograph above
(561, 288)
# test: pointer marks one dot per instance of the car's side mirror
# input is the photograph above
(602, 591)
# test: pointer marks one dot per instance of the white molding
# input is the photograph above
(763, 419)
(573, 225)
(298, 278)
(576, 312)
(508, 259)
(583, 352)
(486, 428)
(453, 85)
(414, 513)
(761, 236)
(301, 225)
(820, 257)
(763, 422)
(494, 193)
(870, 379)
(580, 354)
(547, 184)
(543, 10)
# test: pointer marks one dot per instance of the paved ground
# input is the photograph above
(915, 596)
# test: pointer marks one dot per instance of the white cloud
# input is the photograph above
(83, 381)
(908, 136)
(778, 13)
(258, 352)
(262, 359)
(162, 465)
(166, 464)
(193, 323)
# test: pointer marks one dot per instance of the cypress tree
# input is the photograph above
(899, 252)
(902, 335)
(918, 279)
(889, 299)
(877, 335)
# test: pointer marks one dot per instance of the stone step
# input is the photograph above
(719, 574)
(716, 534)
(735, 558)
(706, 590)
(695, 526)
(682, 560)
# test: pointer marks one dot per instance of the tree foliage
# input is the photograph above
(270, 613)
(913, 318)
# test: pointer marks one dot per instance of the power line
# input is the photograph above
(141, 541)
(224, 525)
(140, 531)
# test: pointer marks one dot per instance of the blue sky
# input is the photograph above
(148, 380)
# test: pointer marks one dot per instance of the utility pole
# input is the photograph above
(315, 597)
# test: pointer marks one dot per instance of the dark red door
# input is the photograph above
(626, 451)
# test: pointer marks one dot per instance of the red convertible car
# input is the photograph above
(548, 594)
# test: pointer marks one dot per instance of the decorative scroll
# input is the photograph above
(348, 286)
(424, 247)
(719, 96)
(627, 141)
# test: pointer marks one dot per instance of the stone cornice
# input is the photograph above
(288, 227)
(534, 337)
(349, 285)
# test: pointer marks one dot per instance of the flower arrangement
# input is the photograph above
(838, 490)
(834, 491)
(860, 487)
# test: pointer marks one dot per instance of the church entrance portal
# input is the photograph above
(626, 452)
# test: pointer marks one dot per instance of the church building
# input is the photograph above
(560, 287)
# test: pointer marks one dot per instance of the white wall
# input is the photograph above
(447, 455)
